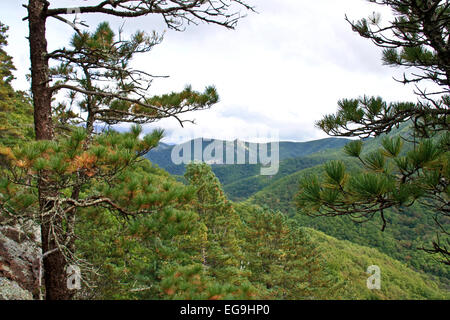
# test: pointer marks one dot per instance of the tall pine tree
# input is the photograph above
(222, 254)
(48, 178)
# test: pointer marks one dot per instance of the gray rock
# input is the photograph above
(19, 262)
(10, 290)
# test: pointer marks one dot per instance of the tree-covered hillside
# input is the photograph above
(347, 265)
(407, 231)
(241, 189)
(226, 250)
(16, 111)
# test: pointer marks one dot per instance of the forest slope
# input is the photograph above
(408, 229)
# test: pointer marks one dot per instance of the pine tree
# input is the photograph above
(395, 177)
(66, 164)
(283, 262)
(136, 258)
(263, 254)
(222, 255)
(7, 66)
(96, 67)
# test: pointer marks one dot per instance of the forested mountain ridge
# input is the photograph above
(287, 150)
(112, 248)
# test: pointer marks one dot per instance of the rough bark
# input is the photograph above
(54, 263)
(40, 70)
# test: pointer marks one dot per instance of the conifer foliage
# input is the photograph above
(15, 107)
(222, 252)
(283, 262)
(396, 175)
(97, 68)
(205, 248)
(50, 180)
(262, 254)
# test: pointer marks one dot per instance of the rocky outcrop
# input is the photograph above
(19, 263)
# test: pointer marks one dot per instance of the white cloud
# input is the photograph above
(283, 68)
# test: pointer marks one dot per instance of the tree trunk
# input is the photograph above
(54, 262)
(40, 70)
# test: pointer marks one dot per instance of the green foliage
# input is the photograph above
(335, 173)
(192, 283)
(176, 100)
(393, 177)
(392, 146)
(66, 159)
(96, 69)
(208, 248)
(409, 228)
(347, 264)
(369, 186)
(354, 148)
(6, 63)
(141, 258)
(15, 107)
(360, 117)
(283, 262)
(222, 252)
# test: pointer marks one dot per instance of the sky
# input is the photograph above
(280, 70)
